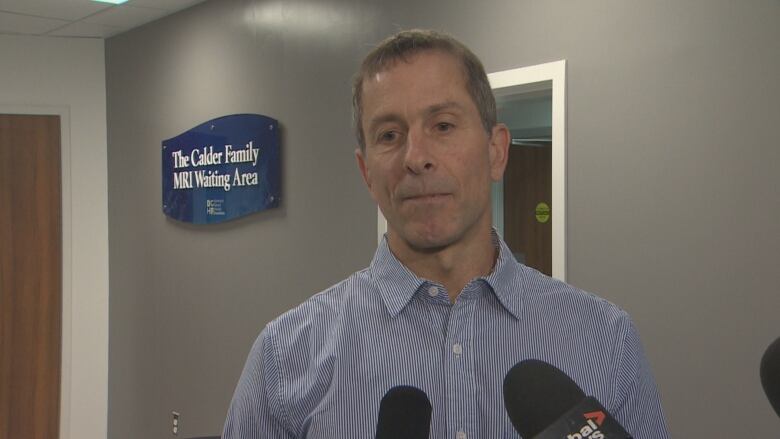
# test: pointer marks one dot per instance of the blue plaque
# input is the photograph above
(222, 169)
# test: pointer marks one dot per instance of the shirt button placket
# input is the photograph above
(459, 373)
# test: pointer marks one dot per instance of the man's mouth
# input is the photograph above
(427, 197)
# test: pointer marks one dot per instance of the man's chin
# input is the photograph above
(429, 241)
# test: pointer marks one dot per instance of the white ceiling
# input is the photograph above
(82, 18)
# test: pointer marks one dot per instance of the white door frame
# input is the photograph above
(526, 79)
(519, 80)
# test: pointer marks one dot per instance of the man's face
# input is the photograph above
(428, 161)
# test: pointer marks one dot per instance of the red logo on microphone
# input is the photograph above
(591, 429)
(597, 416)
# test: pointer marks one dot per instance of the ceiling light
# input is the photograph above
(113, 2)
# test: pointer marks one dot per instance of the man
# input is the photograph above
(443, 306)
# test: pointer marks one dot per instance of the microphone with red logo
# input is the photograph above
(404, 413)
(770, 374)
(544, 403)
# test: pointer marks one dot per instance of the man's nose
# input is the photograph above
(419, 157)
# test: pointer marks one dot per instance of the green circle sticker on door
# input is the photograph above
(542, 212)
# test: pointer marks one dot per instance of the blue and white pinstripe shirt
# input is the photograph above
(321, 369)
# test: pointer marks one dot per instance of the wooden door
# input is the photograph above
(527, 189)
(30, 277)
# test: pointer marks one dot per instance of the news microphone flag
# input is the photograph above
(544, 403)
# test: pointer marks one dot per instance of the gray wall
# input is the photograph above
(187, 302)
(672, 186)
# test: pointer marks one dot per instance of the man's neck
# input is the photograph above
(452, 266)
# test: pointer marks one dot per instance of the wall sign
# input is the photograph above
(222, 169)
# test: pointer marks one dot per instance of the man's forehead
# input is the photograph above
(427, 82)
(397, 108)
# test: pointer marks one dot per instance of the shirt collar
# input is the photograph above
(507, 279)
(397, 284)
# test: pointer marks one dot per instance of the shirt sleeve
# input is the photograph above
(638, 403)
(256, 411)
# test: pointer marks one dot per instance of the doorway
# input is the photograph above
(529, 205)
(30, 276)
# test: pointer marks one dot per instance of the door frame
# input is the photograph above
(67, 264)
(526, 79)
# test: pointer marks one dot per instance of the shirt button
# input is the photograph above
(457, 349)
(460, 435)
(433, 291)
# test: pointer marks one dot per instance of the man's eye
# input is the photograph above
(443, 127)
(388, 136)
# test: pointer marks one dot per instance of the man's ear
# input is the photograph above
(498, 151)
(361, 161)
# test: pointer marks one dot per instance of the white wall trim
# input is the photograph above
(527, 79)
(381, 225)
(67, 263)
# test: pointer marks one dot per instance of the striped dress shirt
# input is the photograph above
(321, 369)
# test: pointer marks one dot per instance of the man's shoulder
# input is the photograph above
(326, 307)
(550, 295)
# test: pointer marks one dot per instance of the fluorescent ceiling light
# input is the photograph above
(113, 2)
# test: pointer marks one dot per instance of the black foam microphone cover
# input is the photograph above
(770, 374)
(537, 394)
(405, 412)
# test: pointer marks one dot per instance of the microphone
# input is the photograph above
(770, 374)
(545, 403)
(404, 413)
